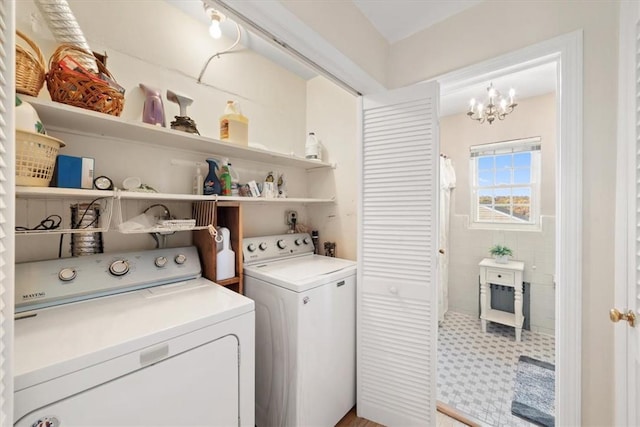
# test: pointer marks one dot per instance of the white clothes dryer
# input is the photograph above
(305, 331)
(131, 339)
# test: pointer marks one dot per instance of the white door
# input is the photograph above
(398, 247)
(627, 337)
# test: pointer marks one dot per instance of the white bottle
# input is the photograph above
(225, 257)
(198, 182)
(312, 148)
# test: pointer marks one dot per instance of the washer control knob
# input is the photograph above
(282, 244)
(306, 241)
(180, 259)
(119, 267)
(251, 247)
(161, 261)
(67, 274)
(298, 242)
(263, 246)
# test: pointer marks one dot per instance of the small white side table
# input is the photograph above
(509, 274)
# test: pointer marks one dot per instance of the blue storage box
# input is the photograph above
(73, 172)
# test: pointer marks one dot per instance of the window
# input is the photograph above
(505, 191)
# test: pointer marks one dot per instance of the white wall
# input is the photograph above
(331, 114)
(164, 48)
(496, 27)
(343, 25)
(467, 247)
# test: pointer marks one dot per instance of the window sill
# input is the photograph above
(504, 227)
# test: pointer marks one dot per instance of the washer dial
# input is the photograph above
(67, 274)
(282, 244)
(119, 267)
(180, 259)
(161, 261)
(263, 246)
(251, 247)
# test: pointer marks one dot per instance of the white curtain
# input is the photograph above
(447, 183)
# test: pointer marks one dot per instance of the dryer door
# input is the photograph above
(198, 387)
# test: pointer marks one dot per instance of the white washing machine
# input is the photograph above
(305, 331)
(131, 339)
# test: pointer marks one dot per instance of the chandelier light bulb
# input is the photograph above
(503, 104)
(492, 92)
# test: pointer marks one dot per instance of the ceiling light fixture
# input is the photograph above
(216, 18)
(496, 106)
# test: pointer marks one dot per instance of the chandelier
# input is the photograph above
(496, 106)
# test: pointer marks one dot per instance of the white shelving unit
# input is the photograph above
(61, 117)
(72, 193)
(57, 116)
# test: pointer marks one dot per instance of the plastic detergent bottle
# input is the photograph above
(234, 127)
(225, 179)
(312, 148)
(211, 182)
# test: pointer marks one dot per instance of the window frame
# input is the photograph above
(523, 145)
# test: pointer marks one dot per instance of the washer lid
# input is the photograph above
(54, 341)
(302, 273)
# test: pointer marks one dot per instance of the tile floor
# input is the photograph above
(476, 371)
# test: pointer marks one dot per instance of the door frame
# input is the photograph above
(566, 52)
(625, 371)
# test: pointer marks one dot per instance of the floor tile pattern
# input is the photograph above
(476, 371)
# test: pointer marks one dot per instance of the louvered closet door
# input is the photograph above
(397, 296)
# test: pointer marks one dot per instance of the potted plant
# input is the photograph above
(501, 253)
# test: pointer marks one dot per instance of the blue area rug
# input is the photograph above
(534, 394)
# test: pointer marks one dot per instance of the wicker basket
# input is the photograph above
(35, 158)
(30, 69)
(79, 90)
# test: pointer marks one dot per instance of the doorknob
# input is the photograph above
(616, 316)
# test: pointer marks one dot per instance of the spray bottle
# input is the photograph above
(235, 180)
(211, 182)
(225, 178)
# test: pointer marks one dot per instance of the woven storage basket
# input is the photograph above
(30, 69)
(78, 90)
(35, 158)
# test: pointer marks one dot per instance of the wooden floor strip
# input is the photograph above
(352, 420)
(451, 412)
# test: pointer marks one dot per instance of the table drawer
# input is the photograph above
(500, 277)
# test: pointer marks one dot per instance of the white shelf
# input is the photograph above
(57, 116)
(60, 193)
(161, 230)
(502, 317)
(73, 193)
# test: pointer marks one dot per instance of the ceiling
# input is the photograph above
(399, 19)
(395, 20)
